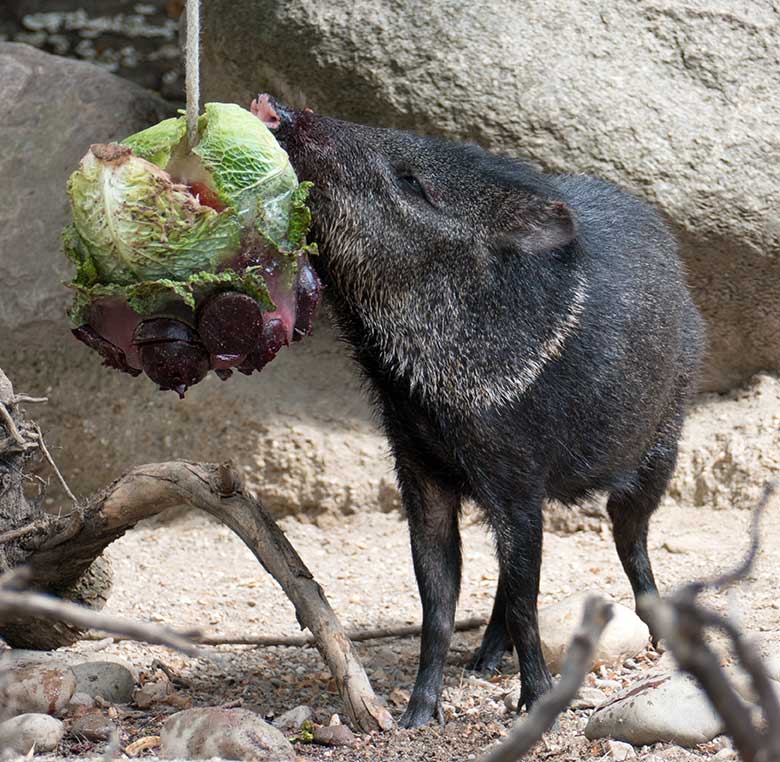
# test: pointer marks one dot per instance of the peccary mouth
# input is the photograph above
(274, 115)
(292, 130)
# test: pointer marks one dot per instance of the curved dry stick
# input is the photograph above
(147, 490)
(300, 641)
(682, 622)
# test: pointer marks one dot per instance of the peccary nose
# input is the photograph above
(277, 117)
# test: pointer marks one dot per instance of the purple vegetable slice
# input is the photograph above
(163, 329)
(171, 353)
(175, 365)
(307, 292)
(273, 338)
(230, 323)
(113, 356)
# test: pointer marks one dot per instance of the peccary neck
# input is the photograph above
(450, 333)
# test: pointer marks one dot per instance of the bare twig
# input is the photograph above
(48, 456)
(738, 574)
(32, 528)
(682, 622)
(27, 398)
(356, 635)
(10, 425)
(25, 603)
(579, 658)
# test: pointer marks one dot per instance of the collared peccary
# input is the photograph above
(525, 336)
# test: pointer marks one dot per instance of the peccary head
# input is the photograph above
(433, 250)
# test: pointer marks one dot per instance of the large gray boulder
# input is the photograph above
(53, 108)
(674, 99)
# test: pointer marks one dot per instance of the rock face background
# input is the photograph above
(52, 109)
(674, 100)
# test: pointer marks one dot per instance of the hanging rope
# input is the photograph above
(192, 71)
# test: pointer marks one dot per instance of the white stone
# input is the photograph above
(292, 720)
(21, 733)
(663, 707)
(512, 699)
(588, 698)
(227, 733)
(619, 750)
(111, 680)
(80, 703)
(625, 636)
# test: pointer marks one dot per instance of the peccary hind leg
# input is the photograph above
(630, 514)
(432, 513)
(496, 642)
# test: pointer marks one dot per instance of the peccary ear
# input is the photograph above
(538, 225)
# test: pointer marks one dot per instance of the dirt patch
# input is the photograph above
(226, 591)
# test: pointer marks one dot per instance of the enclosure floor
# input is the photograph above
(193, 572)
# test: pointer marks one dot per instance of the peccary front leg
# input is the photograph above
(518, 530)
(432, 513)
(496, 642)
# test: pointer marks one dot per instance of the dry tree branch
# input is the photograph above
(682, 622)
(355, 635)
(33, 527)
(25, 603)
(58, 473)
(73, 543)
(579, 659)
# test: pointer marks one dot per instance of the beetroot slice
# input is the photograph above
(175, 365)
(113, 356)
(307, 293)
(230, 323)
(156, 329)
(274, 337)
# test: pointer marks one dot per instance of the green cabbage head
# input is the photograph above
(154, 221)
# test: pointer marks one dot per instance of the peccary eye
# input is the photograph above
(411, 183)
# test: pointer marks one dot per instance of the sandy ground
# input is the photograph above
(194, 572)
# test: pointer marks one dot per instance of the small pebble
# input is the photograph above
(93, 726)
(620, 751)
(511, 700)
(79, 704)
(292, 720)
(151, 693)
(588, 698)
(334, 735)
(109, 679)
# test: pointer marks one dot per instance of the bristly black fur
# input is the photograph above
(525, 336)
